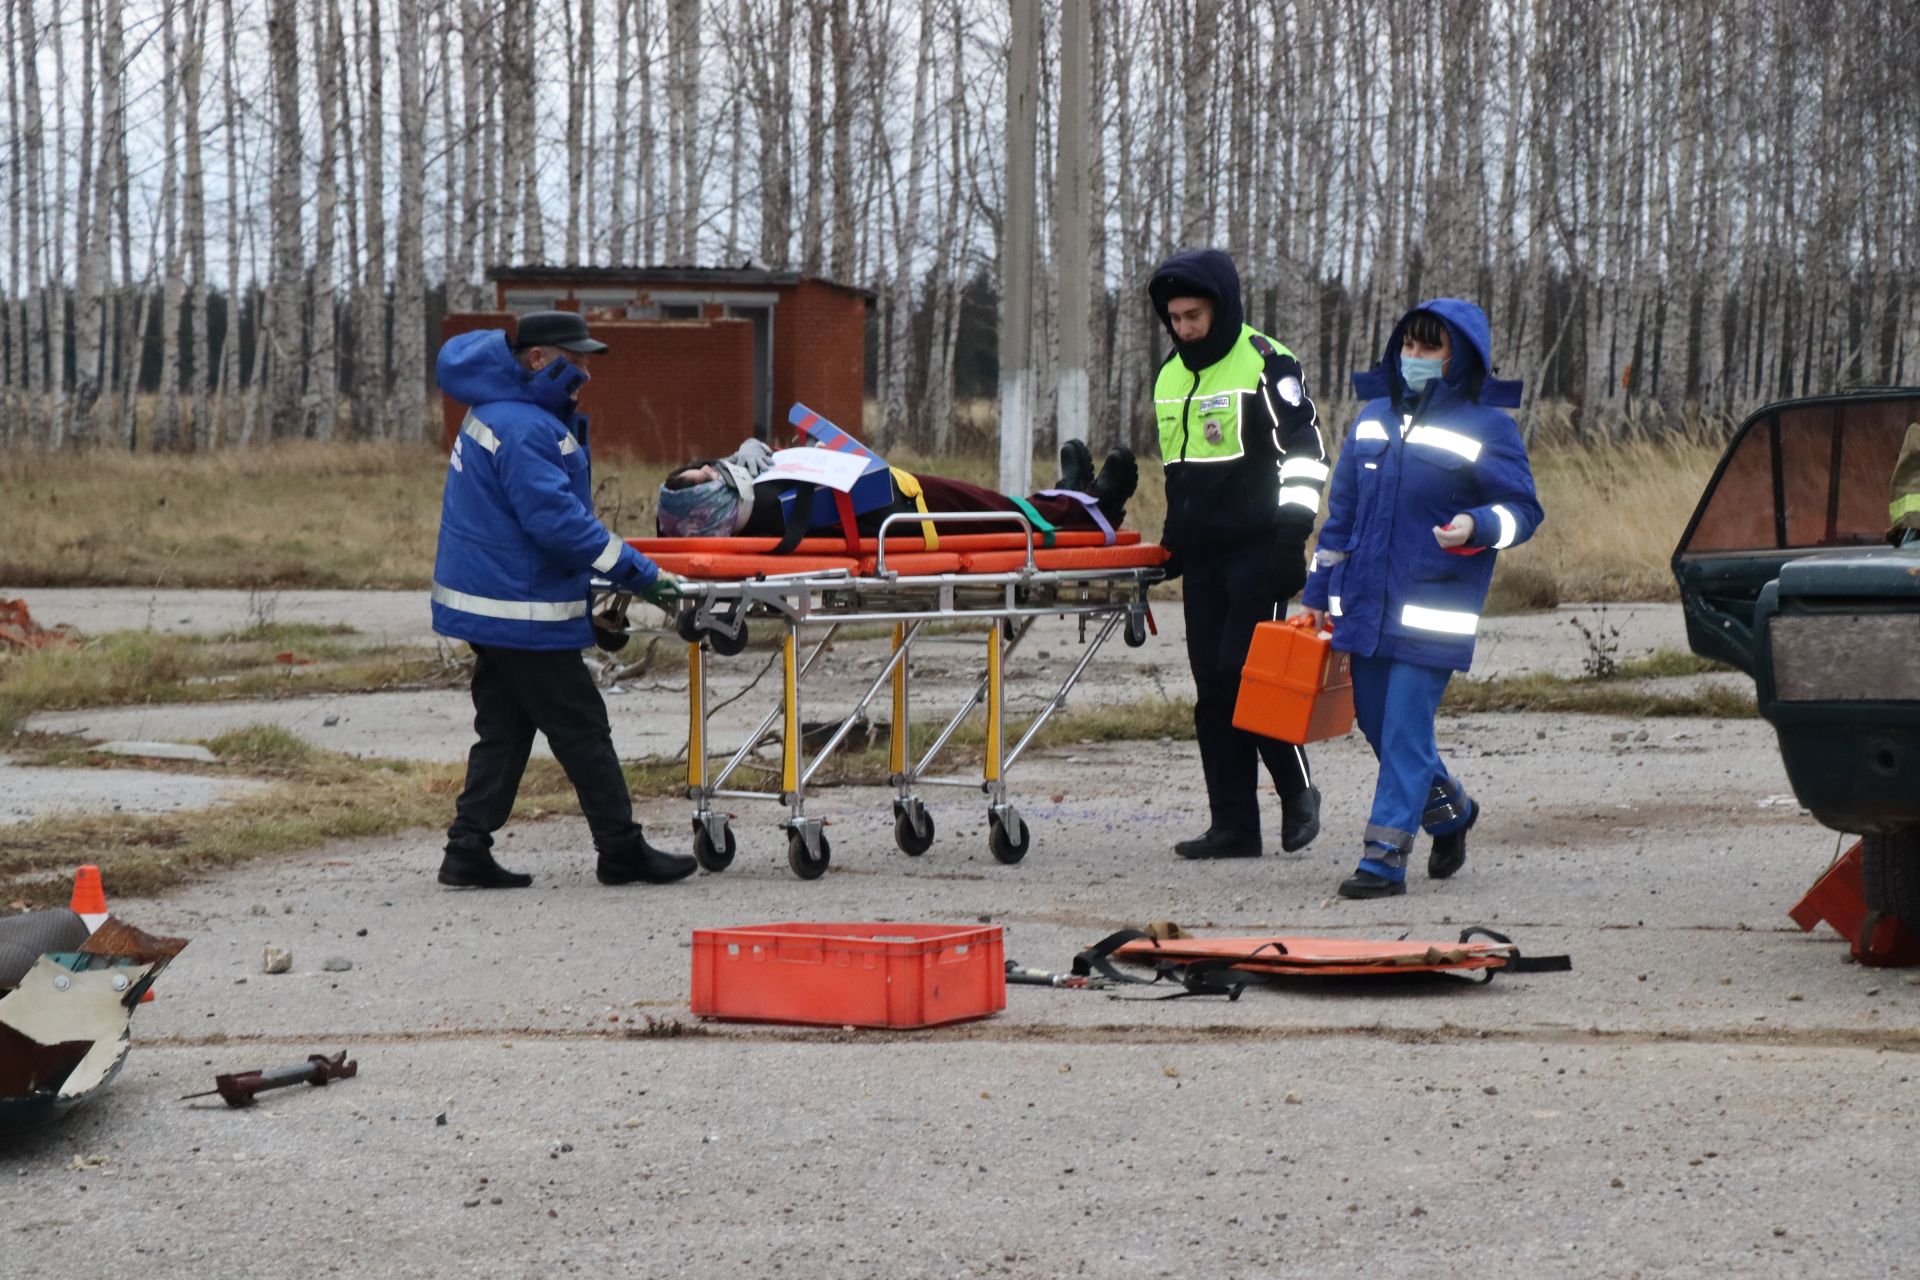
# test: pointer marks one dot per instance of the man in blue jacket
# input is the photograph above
(1432, 484)
(518, 546)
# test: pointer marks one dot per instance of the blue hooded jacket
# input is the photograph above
(518, 538)
(1411, 463)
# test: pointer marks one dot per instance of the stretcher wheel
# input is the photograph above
(1002, 844)
(1135, 633)
(685, 625)
(728, 646)
(913, 843)
(805, 865)
(709, 857)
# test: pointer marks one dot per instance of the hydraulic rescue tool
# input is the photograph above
(241, 1087)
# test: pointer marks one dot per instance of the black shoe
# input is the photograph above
(644, 863)
(1220, 844)
(476, 869)
(1449, 853)
(1076, 467)
(1299, 819)
(1113, 488)
(1365, 884)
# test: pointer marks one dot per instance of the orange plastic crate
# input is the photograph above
(1296, 687)
(861, 975)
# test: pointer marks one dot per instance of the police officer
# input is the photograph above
(518, 546)
(1245, 469)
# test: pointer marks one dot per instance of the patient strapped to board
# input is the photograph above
(758, 493)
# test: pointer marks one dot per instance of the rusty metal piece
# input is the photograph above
(117, 940)
(240, 1088)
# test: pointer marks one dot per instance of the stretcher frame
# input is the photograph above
(714, 622)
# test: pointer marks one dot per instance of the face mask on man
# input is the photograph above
(1418, 371)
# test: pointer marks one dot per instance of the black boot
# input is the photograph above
(1113, 488)
(1076, 467)
(1365, 884)
(646, 863)
(1299, 819)
(467, 868)
(1449, 853)
(1220, 844)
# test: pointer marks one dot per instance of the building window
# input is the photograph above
(679, 311)
(522, 301)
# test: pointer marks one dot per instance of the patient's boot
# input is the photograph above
(1113, 487)
(1076, 467)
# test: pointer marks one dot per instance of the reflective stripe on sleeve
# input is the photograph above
(1509, 528)
(568, 445)
(480, 433)
(1300, 495)
(1333, 605)
(510, 610)
(1441, 438)
(1446, 621)
(1303, 469)
(1904, 506)
(1369, 431)
(610, 556)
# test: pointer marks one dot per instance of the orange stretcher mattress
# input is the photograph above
(1149, 556)
(654, 548)
(1322, 957)
(729, 568)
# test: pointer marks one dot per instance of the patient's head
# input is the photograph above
(695, 502)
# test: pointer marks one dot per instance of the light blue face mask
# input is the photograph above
(1418, 371)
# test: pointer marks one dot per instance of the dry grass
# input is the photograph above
(365, 515)
(316, 796)
(123, 668)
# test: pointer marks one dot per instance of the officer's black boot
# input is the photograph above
(1220, 844)
(643, 862)
(465, 867)
(1113, 488)
(1449, 852)
(1299, 819)
(1076, 467)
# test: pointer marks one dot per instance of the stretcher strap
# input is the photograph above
(1092, 504)
(909, 486)
(1201, 978)
(849, 524)
(1041, 524)
(1517, 963)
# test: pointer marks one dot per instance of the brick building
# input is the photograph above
(700, 357)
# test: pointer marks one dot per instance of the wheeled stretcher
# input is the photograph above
(1006, 581)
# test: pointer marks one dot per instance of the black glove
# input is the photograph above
(1175, 565)
(1286, 570)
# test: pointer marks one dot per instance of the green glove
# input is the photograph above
(665, 592)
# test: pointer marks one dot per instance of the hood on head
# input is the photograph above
(480, 368)
(1201, 273)
(1470, 371)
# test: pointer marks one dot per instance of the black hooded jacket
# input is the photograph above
(1273, 488)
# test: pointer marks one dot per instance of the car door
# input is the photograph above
(1798, 477)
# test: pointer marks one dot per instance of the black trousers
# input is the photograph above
(1227, 594)
(515, 693)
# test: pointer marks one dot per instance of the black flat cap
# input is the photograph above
(563, 329)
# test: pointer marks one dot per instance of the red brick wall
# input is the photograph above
(666, 391)
(819, 355)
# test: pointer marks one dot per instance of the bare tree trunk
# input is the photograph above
(230, 337)
(33, 140)
(192, 67)
(617, 216)
(370, 309)
(812, 226)
(474, 51)
(285, 340)
(166, 426)
(59, 404)
(322, 407)
(579, 70)
(841, 37)
(409, 276)
(12, 367)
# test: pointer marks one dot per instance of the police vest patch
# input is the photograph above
(1214, 431)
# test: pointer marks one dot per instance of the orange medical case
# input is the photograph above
(1296, 686)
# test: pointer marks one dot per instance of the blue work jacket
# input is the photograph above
(1411, 463)
(518, 538)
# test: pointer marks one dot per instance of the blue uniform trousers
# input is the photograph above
(1395, 703)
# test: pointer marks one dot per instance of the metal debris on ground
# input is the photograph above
(239, 1088)
(18, 630)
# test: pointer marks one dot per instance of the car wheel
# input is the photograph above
(1890, 870)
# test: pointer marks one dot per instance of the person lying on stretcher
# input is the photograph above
(717, 498)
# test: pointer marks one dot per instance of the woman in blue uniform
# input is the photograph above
(1432, 484)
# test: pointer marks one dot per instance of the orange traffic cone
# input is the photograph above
(89, 897)
(90, 903)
